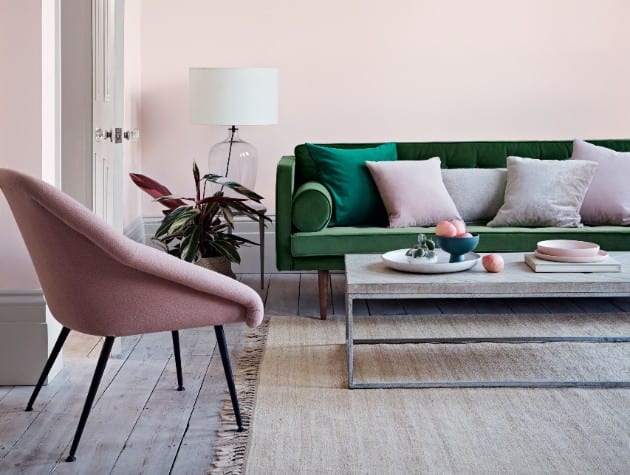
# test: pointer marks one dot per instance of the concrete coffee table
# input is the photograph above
(368, 278)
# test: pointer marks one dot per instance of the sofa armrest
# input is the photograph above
(285, 183)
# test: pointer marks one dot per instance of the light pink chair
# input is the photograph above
(99, 282)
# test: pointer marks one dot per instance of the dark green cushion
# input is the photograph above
(312, 207)
(356, 200)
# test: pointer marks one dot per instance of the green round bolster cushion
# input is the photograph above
(312, 207)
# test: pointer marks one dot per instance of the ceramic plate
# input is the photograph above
(568, 247)
(398, 261)
(574, 259)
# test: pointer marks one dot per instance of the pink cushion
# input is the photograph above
(607, 200)
(413, 192)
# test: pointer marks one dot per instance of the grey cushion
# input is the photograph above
(544, 192)
(477, 192)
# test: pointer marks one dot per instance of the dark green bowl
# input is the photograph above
(457, 247)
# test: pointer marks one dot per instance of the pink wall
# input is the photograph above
(369, 70)
(133, 97)
(20, 124)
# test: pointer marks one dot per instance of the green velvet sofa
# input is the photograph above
(324, 250)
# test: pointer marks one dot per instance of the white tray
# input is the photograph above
(397, 260)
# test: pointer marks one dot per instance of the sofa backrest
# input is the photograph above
(461, 154)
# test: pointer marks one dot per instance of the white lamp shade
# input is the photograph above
(233, 96)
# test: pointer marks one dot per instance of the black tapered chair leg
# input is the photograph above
(89, 400)
(227, 368)
(178, 361)
(61, 339)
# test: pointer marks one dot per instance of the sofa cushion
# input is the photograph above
(486, 154)
(312, 207)
(544, 192)
(413, 192)
(607, 200)
(351, 240)
(355, 198)
(477, 192)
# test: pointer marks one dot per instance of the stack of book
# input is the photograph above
(564, 255)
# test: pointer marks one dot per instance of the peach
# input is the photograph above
(493, 262)
(464, 235)
(460, 226)
(445, 229)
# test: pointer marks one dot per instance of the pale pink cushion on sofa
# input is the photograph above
(413, 192)
(607, 200)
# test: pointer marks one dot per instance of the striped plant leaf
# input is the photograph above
(228, 250)
(169, 219)
(228, 215)
(223, 181)
(183, 220)
(190, 244)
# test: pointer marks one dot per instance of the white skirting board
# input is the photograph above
(250, 255)
(27, 335)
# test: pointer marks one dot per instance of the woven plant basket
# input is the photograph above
(220, 264)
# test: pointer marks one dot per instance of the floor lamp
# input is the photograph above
(234, 97)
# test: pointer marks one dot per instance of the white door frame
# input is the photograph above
(107, 109)
(74, 97)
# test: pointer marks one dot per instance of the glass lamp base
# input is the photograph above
(235, 159)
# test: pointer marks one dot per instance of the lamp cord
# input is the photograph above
(233, 129)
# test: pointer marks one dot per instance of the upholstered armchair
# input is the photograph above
(99, 282)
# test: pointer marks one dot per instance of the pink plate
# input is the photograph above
(575, 259)
(568, 248)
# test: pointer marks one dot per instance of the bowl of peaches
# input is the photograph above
(452, 237)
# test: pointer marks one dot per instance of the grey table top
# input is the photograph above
(368, 277)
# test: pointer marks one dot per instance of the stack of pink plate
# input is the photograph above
(567, 250)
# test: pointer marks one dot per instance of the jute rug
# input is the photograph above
(302, 419)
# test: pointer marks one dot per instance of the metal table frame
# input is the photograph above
(351, 342)
(260, 210)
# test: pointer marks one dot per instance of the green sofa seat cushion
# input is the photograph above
(337, 241)
(356, 200)
(312, 207)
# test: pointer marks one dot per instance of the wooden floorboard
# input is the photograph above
(196, 451)
(141, 424)
(527, 306)
(121, 405)
(622, 304)
(338, 294)
(283, 294)
(421, 307)
(4, 391)
(15, 421)
(44, 441)
(157, 434)
(308, 305)
(386, 307)
(456, 306)
(590, 305)
(154, 441)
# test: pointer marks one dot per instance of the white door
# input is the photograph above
(107, 109)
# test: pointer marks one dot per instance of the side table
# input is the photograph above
(260, 212)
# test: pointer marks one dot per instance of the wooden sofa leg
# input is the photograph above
(323, 279)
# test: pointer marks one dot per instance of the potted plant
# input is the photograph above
(200, 229)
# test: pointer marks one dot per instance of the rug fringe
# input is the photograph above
(231, 445)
